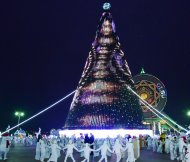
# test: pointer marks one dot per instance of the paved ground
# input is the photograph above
(26, 154)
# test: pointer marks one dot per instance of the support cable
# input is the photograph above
(49, 107)
(150, 107)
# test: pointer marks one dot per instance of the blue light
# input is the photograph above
(106, 6)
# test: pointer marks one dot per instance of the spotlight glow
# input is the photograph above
(104, 133)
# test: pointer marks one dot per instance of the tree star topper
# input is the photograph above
(106, 6)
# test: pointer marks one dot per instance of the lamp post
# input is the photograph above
(19, 114)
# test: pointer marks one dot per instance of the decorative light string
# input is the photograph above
(49, 107)
(150, 107)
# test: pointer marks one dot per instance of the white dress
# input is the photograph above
(37, 156)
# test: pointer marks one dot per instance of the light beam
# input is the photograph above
(39, 113)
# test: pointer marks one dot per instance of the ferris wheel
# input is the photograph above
(151, 89)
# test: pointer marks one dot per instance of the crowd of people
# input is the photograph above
(86, 147)
(129, 148)
(123, 147)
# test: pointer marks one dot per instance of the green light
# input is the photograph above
(16, 113)
(188, 113)
(142, 71)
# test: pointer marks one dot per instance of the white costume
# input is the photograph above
(37, 156)
(42, 150)
(70, 146)
(97, 144)
(4, 147)
(58, 150)
(176, 147)
(159, 149)
(149, 141)
(48, 150)
(54, 148)
(117, 148)
(187, 156)
(108, 140)
(104, 148)
(154, 144)
(87, 150)
(167, 146)
(181, 146)
(172, 156)
(130, 151)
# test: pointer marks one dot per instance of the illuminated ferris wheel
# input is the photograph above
(152, 90)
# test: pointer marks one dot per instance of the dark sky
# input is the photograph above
(44, 46)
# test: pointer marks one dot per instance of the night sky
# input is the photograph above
(44, 46)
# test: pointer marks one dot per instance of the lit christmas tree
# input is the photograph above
(102, 99)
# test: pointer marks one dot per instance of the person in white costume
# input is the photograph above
(108, 140)
(42, 150)
(104, 148)
(70, 146)
(54, 148)
(154, 144)
(48, 149)
(58, 150)
(181, 146)
(37, 156)
(172, 156)
(87, 150)
(149, 141)
(4, 146)
(187, 156)
(117, 149)
(97, 144)
(160, 146)
(167, 145)
(176, 147)
(130, 151)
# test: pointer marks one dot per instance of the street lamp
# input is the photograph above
(19, 114)
(188, 113)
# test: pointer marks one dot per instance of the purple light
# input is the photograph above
(113, 27)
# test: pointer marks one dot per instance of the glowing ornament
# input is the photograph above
(144, 96)
(106, 6)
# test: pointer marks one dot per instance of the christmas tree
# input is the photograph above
(102, 99)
